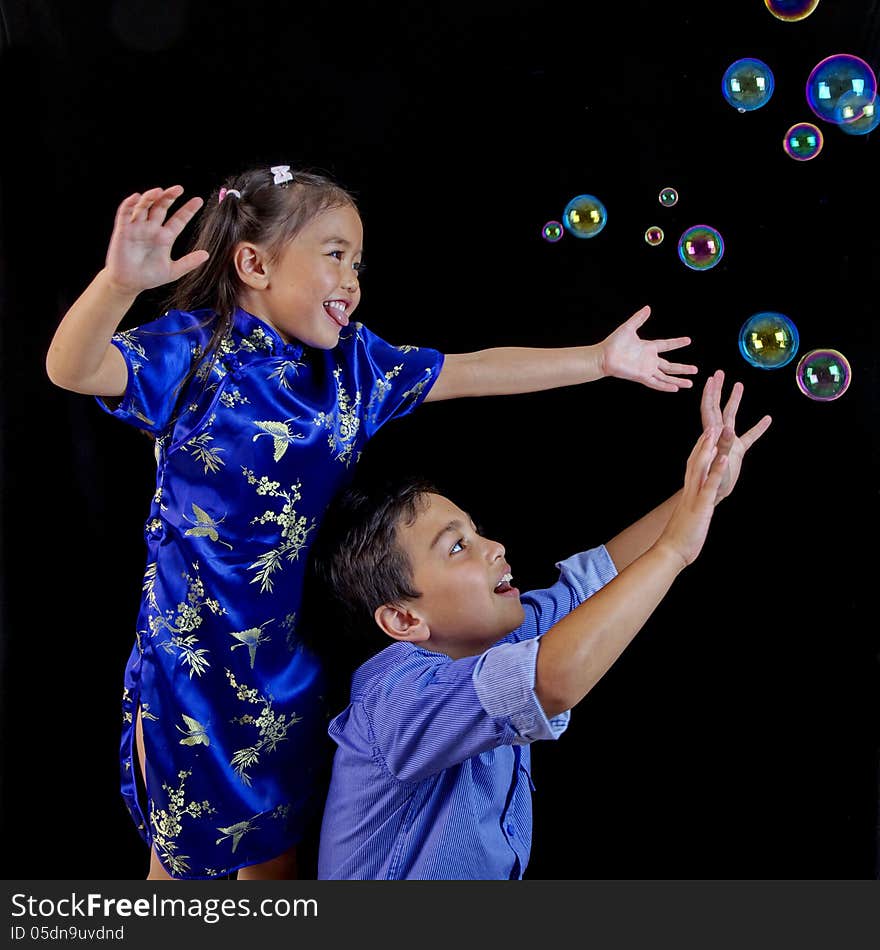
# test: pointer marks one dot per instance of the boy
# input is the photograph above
(431, 775)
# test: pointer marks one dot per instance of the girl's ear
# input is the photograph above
(251, 266)
(401, 623)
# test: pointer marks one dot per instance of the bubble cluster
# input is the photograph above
(823, 375)
(835, 77)
(552, 231)
(668, 197)
(584, 216)
(747, 84)
(700, 247)
(803, 141)
(654, 235)
(791, 10)
(768, 340)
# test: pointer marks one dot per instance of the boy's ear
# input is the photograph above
(251, 266)
(401, 623)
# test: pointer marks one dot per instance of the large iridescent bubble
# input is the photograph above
(768, 340)
(747, 84)
(803, 141)
(857, 114)
(823, 375)
(835, 77)
(584, 216)
(791, 10)
(700, 247)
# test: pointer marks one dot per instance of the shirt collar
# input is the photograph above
(263, 337)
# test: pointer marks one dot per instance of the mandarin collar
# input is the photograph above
(264, 337)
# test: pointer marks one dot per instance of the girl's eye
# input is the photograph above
(337, 254)
(359, 268)
(458, 546)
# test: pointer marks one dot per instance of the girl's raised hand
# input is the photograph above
(139, 255)
(626, 356)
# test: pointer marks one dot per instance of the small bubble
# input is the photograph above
(552, 231)
(668, 197)
(790, 11)
(654, 236)
(803, 141)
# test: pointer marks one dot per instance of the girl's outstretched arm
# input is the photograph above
(506, 370)
(81, 357)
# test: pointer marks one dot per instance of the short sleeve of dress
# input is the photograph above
(390, 380)
(158, 356)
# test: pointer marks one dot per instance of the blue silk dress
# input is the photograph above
(248, 457)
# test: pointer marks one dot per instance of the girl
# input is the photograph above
(261, 392)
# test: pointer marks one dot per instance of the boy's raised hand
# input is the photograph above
(686, 530)
(626, 356)
(730, 444)
(139, 255)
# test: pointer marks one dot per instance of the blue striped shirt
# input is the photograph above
(431, 778)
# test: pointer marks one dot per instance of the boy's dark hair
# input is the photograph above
(356, 564)
(265, 213)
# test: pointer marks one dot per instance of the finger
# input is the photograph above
(726, 440)
(143, 204)
(699, 459)
(672, 344)
(713, 478)
(184, 214)
(678, 368)
(706, 401)
(639, 317)
(673, 381)
(755, 433)
(730, 410)
(664, 385)
(187, 263)
(160, 207)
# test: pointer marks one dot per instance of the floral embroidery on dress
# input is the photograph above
(272, 729)
(168, 823)
(381, 388)
(201, 451)
(181, 625)
(343, 423)
(294, 528)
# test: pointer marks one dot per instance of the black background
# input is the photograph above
(738, 736)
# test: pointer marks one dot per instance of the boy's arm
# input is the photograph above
(578, 650)
(502, 371)
(81, 357)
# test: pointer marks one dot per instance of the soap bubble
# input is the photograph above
(584, 216)
(747, 84)
(668, 197)
(833, 78)
(856, 114)
(654, 235)
(823, 375)
(768, 340)
(552, 231)
(803, 141)
(700, 247)
(791, 11)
